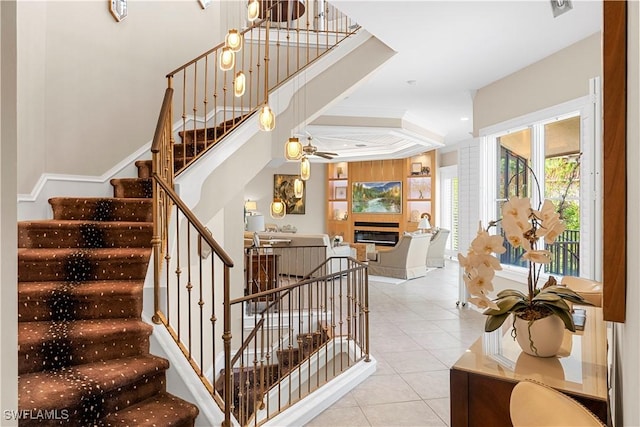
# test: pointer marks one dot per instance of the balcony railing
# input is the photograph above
(565, 255)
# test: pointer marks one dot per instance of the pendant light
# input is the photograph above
(239, 84)
(266, 118)
(293, 149)
(305, 168)
(253, 10)
(277, 209)
(227, 58)
(233, 40)
(298, 188)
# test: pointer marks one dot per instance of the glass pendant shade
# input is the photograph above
(253, 10)
(278, 210)
(266, 119)
(227, 59)
(239, 84)
(293, 149)
(298, 188)
(233, 40)
(305, 169)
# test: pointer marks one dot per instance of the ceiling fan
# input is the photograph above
(312, 150)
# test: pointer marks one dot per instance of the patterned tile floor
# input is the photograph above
(417, 333)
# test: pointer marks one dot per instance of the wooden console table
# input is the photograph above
(482, 379)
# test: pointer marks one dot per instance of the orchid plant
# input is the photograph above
(526, 228)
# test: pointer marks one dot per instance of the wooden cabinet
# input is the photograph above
(338, 201)
(420, 189)
(261, 273)
(416, 176)
(482, 379)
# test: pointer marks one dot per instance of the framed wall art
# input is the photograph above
(283, 190)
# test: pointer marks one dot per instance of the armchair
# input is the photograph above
(405, 260)
(435, 255)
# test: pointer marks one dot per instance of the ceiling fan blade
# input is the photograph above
(325, 155)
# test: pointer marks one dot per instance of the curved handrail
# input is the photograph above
(164, 117)
(202, 230)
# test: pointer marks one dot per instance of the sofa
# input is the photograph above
(406, 260)
(300, 254)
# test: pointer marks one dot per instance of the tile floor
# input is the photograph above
(417, 333)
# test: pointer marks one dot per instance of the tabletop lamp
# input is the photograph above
(424, 224)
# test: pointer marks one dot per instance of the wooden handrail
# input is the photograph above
(302, 282)
(163, 118)
(204, 233)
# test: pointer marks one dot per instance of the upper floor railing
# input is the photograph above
(210, 102)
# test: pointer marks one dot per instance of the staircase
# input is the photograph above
(83, 349)
(251, 384)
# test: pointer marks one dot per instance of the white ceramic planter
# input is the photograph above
(542, 337)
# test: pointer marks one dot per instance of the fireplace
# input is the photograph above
(378, 237)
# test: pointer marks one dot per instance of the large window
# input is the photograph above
(543, 161)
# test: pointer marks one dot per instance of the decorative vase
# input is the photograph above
(542, 337)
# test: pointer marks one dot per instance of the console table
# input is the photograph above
(482, 379)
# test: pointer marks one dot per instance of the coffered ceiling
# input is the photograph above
(447, 50)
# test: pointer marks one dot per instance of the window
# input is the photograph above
(449, 210)
(560, 148)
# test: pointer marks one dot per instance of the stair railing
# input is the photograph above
(206, 107)
(296, 337)
(191, 270)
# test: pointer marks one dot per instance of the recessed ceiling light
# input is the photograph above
(464, 119)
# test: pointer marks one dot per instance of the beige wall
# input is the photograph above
(561, 77)
(313, 221)
(8, 213)
(88, 85)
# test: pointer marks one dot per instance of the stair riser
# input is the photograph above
(97, 404)
(84, 236)
(67, 306)
(102, 210)
(135, 188)
(82, 268)
(55, 353)
(145, 168)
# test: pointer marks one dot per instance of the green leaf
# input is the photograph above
(566, 317)
(568, 294)
(505, 305)
(510, 293)
(547, 296)
(559, 303)
(493, 322)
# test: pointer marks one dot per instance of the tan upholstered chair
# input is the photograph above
(588, 289)
(405, 260)
(534, 404)
(435, 255)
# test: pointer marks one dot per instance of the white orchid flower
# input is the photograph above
(538, 256)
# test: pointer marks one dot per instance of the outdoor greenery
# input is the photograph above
(562, 184)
